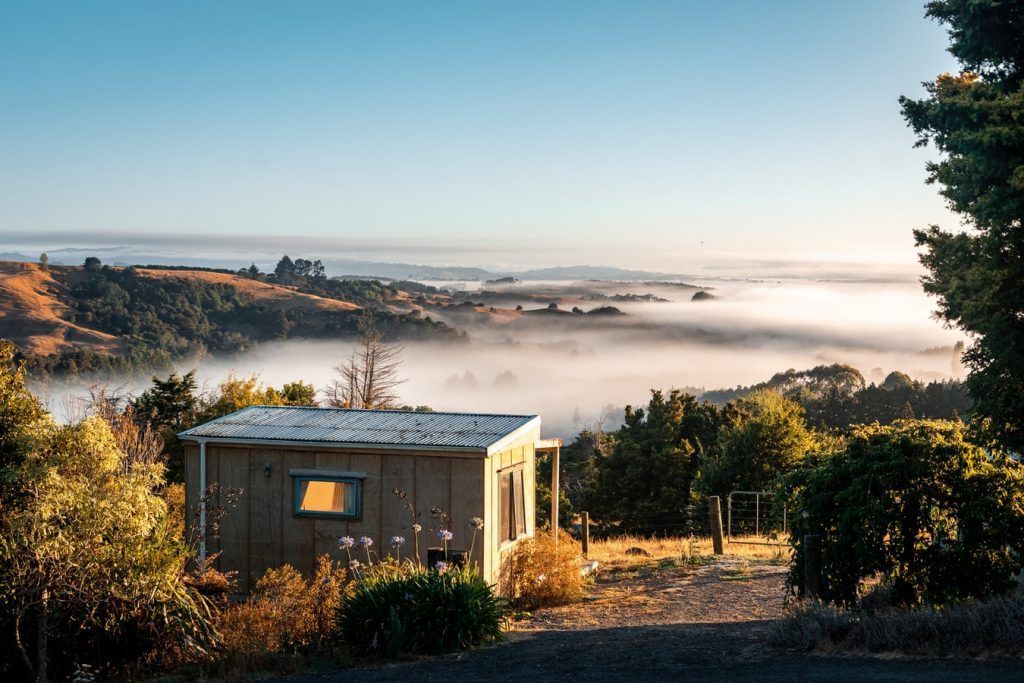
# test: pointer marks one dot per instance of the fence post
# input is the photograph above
(555, 490)
(585, 532)
(715, 508)
(813, 583)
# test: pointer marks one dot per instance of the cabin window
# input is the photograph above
(512, 503)
(324, 495)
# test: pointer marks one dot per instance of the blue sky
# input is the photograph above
(641, 134)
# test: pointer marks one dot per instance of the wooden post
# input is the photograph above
(585, 532)
(813, 580)
(715, 508)
(554, 491)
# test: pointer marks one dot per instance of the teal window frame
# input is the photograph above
(357, 484)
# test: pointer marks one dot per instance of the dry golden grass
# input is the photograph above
(611, 552)
(544, 571)
(279, 296)
(32, 316)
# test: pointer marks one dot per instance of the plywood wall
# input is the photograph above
(262, 531)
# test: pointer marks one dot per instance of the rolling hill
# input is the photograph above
(73, 319)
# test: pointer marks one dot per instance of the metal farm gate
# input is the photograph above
(752, 519)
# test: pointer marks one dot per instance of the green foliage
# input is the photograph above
(173, 404)
(170, 406)
(645, 482)
(566, 509)
(836, 396)
(298, 393)
(580, 462)
(771, 439)
(22, 422)
(90, 567)
(937, 517)
(235, 393)
(974, 121)
(420, 611)
(170, 402)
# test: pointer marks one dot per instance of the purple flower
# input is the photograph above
(441, 566)
(444, 534)
(365, 541)
(397, 541)
(353, 565)
(346, 542)
(476, 523)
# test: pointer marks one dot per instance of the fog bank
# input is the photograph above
(574, 370)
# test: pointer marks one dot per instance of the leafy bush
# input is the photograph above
(544, 571)
(285, 615)
(90, 566)
(420, 611)
(935, 517)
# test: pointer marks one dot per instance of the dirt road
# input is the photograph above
(667, 623)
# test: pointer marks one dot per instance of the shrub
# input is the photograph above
(420, 611)
(285, 615)
(544, 571)
(935, 517)
(90, 568)
(994, 626)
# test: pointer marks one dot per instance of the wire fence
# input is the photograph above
(753, 518)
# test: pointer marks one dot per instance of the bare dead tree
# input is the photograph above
(369, 378)
(135, 438)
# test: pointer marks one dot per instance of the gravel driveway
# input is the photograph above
(667, 623)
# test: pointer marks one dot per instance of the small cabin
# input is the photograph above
(308, 476)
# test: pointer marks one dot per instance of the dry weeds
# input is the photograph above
(611, 553)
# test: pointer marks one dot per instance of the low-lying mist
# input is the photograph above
(576, 370)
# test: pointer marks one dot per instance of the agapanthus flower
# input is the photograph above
(441, 566)
(444, 534)
(416, 528)
(476, 523)
(365, 541)
(397, 541)
(353, 565)
(346, 542)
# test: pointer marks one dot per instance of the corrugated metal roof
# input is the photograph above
(365, 427)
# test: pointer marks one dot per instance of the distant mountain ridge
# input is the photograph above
(125, 256)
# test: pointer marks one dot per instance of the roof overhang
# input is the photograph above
(498, 446)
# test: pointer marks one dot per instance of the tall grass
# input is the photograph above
(973, 628)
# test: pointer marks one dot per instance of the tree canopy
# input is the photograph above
(646, 481)
(769, 440)
(936, 517)
(975, 119)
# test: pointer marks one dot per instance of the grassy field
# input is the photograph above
(611, 553)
